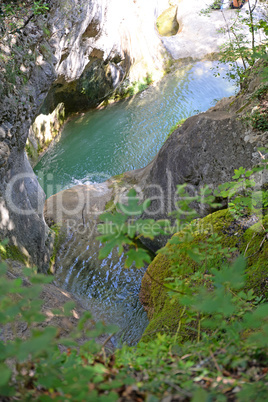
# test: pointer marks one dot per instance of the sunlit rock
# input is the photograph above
(167, 23)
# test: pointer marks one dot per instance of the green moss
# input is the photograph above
(122, 180)
(128, 89)
(110, 205)
(13, 252)
(118, 183)
(59, 235)
(257, 253)
(165, 316)
(243, 107)
(31, 152)
(119, 179)
(173, 128)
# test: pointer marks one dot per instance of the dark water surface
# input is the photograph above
(127, 135)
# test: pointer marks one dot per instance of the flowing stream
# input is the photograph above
(105, 142)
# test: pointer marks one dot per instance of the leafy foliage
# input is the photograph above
(244, 44)
(120, 230)
(245, 197)
(226, 358)
(259, 120)
(15, 15)
(18, 54)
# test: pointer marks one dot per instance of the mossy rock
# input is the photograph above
(164, 315)
(12, 252)
(167, 23)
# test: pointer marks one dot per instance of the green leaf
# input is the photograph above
(117, 218)
(68, 307)
(39, 344)
(5, 375)
(239, 172)
(118, 241)
(133, 208)
(149, 228)
(200, 395)
(234, 276)
(139, 257)
(195, 255)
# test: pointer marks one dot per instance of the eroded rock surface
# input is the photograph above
(96, 41)
(21, 197)
(104, 287)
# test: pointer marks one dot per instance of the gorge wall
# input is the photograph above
(77, 53)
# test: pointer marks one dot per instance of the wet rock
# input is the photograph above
(104, 287)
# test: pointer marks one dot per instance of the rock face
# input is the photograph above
(42, 132)
(21, 198)
(98, 43)
(89, 46)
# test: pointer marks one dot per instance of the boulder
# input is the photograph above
(167, 23)
(245, 234)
